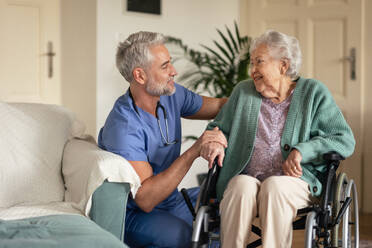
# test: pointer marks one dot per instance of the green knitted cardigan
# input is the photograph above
(314, 126)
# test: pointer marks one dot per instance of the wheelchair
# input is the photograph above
(333, 222)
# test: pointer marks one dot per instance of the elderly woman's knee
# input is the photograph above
(243, 185)
(273, 185)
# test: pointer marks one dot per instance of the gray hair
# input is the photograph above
(281, 46)
(134, 52)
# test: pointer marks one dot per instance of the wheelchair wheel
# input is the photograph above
(346, 233)
(200, 237)
(310, 230)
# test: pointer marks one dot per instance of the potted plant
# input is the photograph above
(218, 70)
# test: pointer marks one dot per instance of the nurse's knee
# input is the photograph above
(178, 236)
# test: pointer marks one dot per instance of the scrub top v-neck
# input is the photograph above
(133, 133)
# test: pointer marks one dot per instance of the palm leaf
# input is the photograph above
(216, 70)
(224, 51)
(238, 35)
(232, 40)
(227, 42)
(215, 54)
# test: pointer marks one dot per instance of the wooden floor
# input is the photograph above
(365, 231)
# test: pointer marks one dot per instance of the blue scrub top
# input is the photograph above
(136, 136)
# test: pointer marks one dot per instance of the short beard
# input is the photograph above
(158, 89)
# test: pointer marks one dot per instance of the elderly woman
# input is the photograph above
(278, 125)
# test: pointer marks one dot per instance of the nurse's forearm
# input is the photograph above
(210, 108)
(157, 188)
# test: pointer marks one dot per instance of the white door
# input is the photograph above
(327, 30)
(30, 51)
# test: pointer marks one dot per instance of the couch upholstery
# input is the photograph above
(55, 231)
(50, 169)
(104, 209)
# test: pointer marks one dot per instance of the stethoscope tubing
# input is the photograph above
(165, 138)
(158, 105)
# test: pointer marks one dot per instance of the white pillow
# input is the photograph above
(32, 139)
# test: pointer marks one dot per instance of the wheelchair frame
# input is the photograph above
(322, 222)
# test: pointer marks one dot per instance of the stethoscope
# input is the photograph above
(158, 106)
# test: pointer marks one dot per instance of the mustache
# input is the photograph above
(170, 79)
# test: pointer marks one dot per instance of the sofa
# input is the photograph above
(57, 188)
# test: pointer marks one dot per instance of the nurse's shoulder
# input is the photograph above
(122, 124)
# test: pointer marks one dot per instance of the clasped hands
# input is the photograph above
(213, 144)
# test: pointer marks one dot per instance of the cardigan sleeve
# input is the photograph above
(329, 130)
(225, 117)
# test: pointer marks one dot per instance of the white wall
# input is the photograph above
(78, 63)
(367, 78)
(193, 21)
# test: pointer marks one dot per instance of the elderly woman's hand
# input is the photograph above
(212, 150)
(214, 135)
(292, 166)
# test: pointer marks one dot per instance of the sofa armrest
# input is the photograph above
(109, 206)
(85, 167)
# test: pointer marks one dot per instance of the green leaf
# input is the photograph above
(223, 50)
(238, 35)
(215, 54)
(232, 40)
(215, 70)
(227, 43)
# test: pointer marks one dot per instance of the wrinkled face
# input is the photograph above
(266, 71)
(160, 72)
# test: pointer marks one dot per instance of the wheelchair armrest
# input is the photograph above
(332, 156)
(304, 211)
(333, 161)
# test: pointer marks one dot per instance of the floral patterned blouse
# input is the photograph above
(267, 157)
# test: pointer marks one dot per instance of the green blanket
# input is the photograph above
(55, 231)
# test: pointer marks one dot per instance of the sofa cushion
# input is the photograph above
(57, 231)
(33, 137)
(22, 211)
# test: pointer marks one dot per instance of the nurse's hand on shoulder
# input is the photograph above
(292, 166)
(210, 151)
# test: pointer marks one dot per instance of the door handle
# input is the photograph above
(352, 60)
(50, 55)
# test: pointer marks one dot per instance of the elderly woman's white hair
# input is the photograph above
(281, 46)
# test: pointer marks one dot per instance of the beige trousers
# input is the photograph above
(275, 200)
